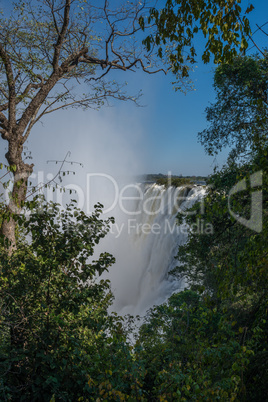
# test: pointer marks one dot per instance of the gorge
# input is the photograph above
(144, 240)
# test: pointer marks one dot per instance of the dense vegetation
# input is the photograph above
(49, 48)
(229, 268)
(57, 340)
(207, 343)
(173, 181)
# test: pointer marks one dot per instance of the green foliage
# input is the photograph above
(53, 310)
(57, 339)
(238, 118)
(173, 181)
(229, 266)
(220, 22)
(191, 352)
(233, 257)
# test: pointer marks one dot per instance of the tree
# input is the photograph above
(191, 352)
(229, 266)
(57, 340)
(47, 46)
(178, 23)
(238, 118)
(231, 260)
(52, 308)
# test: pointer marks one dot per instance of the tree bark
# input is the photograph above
(21, 172)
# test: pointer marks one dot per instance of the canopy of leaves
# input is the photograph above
(233, 259)
(57, 341)
(238, 118)
(220, 21)
(191, 352)
(228, 267)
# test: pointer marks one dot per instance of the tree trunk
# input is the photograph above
(8, 230)
(21, 173)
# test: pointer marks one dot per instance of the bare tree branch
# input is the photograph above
(260, 28)
(11, 85)
(62, 34)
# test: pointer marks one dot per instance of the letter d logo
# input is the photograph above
(255, 221)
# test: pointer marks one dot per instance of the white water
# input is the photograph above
(145, 243)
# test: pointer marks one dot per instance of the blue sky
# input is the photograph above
(173, 119)
(156, 138)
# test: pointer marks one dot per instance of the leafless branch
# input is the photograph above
(53, 180)
(4, 93)
(31, 124)
(251, 38)
(11, 85)
(62, 34)
(260, 28)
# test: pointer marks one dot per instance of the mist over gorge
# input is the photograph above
(144, 240)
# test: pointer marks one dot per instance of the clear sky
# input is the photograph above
(156, 138)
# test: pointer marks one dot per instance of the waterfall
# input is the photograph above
(146, 240)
